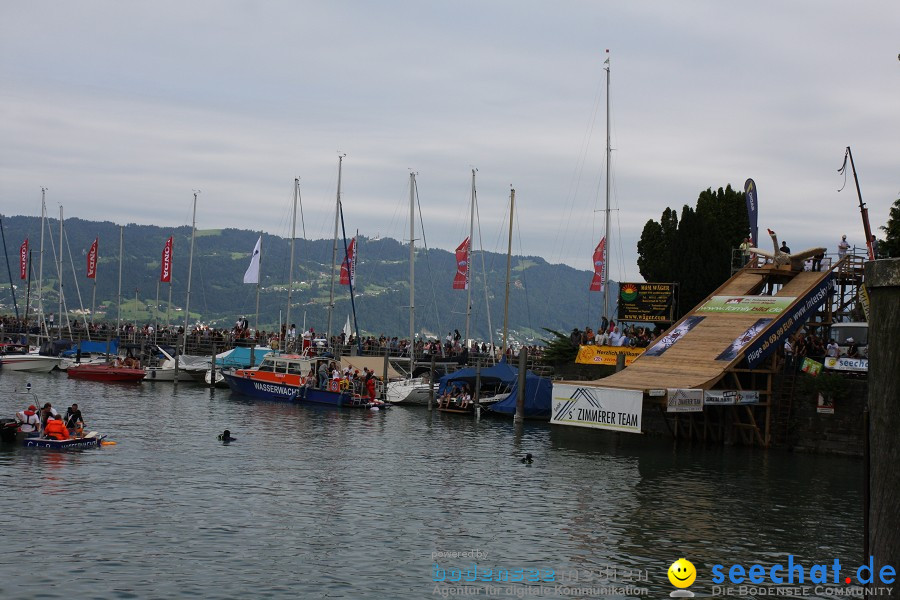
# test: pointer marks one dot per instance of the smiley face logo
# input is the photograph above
(682, 573)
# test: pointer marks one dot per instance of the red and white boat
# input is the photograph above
(108, 373)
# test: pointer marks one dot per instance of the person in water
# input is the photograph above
(528, 459)
(56, 429)
(225, 436)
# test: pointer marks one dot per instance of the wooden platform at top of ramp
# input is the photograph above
(692, 362)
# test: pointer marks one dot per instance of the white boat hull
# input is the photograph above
(409, 392)
(29, 363)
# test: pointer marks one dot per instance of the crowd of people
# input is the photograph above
(611, 334)
(806, 344)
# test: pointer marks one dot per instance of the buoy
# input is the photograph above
(374, 408)
(105, 443)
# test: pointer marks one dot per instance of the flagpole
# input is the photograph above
(287, 314)
(119, 297)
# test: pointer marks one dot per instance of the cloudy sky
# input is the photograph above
(121, 109)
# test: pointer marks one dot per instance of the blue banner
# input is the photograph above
(752, 209)
(790, 321)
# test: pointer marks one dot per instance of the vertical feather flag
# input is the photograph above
(348, 267)
(23, 259)
(461, 279)
(752, 209)
(599, 266)
(252, 273)
(92, 260)
(165, 273)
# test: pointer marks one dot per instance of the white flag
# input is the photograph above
(252, 274)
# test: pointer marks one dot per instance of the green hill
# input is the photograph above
(541, 294)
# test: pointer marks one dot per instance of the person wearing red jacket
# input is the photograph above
(56, 429)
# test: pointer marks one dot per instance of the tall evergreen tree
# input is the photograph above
(890, 247)
(695, 251)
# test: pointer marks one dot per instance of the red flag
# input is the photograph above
(92, 260)
(599, 265)
(461, 279)
(165, 273)
(23, 259)
(348, 273)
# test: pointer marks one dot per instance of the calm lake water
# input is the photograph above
(328, 503)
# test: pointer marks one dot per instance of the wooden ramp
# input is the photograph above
(693, 360)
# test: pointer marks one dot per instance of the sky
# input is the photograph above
(123, 109)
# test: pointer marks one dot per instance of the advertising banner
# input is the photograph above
(811, 367)
(165, 269)
(730, 397)
(23, 259)
(685, 400)
(671, 338)
(770, 305)
(649, 302)
(825, 405)
(606, 355)
(731, 352)
(789, 322)
(92, 260)
(599, 260)
(752, 209)
(599, 408)
(461, 279)
(844, 363)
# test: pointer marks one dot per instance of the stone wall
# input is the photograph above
(838, 433)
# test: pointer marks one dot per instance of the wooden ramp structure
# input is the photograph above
(708, 348)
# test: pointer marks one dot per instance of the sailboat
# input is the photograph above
(412, 390)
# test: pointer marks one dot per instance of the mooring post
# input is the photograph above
(384, 379)
(212, 373)
(520, 397)
(477, 391)
(430, 384)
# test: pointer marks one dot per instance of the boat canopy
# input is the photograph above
(538, 398)
(538, 390)
(374, 363)
(92, 348)
(240, 357)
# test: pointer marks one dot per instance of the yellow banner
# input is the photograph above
(606, 355)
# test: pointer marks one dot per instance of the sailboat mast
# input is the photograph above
(337, 218)
(258, 277)
(41, 261)
(59, 271)
(287, 315)
(187, 302)
(119, 297)
(606, 235)
(469, 261)
(512, 209)
(412, 265)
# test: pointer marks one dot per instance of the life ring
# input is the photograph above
(334, 385)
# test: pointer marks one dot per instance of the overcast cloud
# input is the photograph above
(121, 109)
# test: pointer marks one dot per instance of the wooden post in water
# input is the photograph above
(520, 397)
(177, 356)
(212, 372)
(384, 379)
(476, 393)
(431, 384)
(883, 285)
